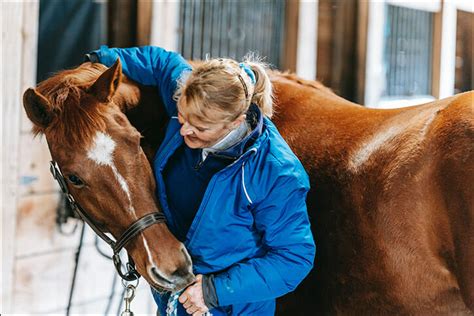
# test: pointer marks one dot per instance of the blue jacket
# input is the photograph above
(252, 229)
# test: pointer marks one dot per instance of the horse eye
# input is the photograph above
(75, 180)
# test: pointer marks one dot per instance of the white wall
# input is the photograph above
(165, 24)
(306, 53)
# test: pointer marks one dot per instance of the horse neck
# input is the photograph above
(332, 123)
(145, 111)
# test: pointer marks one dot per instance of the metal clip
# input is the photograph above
(129, 295)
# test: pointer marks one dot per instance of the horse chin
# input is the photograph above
(161, 289)
(162, 284)
(165, 289)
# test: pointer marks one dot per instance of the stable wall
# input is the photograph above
(37, 260)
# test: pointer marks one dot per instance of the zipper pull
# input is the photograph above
(199, 164)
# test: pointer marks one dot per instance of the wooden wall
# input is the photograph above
(37, 261)
(464, 75)
(337, 48)
(129, 22)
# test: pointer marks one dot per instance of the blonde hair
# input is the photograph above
(219, 90)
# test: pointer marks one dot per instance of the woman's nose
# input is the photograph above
(186, 130)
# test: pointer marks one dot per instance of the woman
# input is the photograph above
(231, 188)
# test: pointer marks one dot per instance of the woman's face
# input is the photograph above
(199, 134)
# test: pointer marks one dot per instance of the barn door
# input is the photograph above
(229, 28)
(68, 30)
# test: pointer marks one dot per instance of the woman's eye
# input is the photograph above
(75, 180)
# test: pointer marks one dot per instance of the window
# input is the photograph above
(408, 46)
(228, 28)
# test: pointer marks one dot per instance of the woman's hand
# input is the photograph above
(193, 299)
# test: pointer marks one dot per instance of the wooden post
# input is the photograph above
(19, 37)
(291, 36)
(122, 23)
(362, 27)
(436, 61)
(144, 14)
(324, 50)
(337, 46)
(12, 14)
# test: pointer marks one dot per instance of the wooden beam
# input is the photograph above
(324, 46)
(337, 46)
(362, 27)
(448, 49)
(291, 36)
(436, 59)
(20, 41)
(12, 14)
(122, 23)
(374, 74)
(144, 14)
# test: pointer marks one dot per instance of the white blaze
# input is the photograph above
(147, 249)
(102, 150)
(102, 153)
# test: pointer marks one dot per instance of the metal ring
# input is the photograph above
(126, 283)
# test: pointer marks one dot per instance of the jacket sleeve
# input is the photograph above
(149, 65)
(282, 220)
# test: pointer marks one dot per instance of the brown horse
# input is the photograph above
(391, 204)
(81, 114)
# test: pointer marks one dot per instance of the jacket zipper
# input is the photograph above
(201, 162)
(190, 238)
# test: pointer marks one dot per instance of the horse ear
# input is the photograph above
(106, 85)
(37, 107)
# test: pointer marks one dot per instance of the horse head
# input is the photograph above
(80, 112)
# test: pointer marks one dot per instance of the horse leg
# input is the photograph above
(460, 203)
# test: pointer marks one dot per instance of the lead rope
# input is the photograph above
(172, 305)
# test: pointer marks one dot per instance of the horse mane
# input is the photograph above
(76, 118)
(276, 75)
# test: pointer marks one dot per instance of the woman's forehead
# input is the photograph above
(198, 121)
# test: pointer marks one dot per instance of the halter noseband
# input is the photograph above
(134, 229)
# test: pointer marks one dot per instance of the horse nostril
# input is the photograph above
(182, 272)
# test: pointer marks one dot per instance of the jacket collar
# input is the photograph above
(255, 120)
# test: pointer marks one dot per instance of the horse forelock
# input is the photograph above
(76, 119)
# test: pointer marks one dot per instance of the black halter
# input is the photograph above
(138, 226)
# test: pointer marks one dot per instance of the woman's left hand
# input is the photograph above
(193, 299)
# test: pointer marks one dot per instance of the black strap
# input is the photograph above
(138, 226)
(57, 174)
